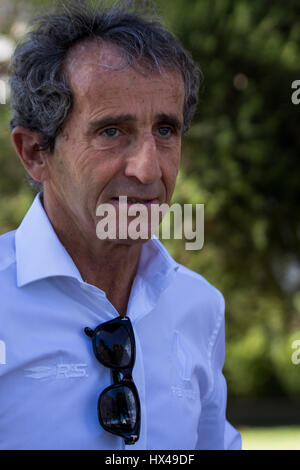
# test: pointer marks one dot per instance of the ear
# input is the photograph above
(26, 143)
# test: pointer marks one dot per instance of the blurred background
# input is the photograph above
(241, 159)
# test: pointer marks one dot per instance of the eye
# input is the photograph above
(165, 131)
(110, 132)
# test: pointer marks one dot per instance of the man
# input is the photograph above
(101, 99)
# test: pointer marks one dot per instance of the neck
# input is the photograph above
(112, 270)
(109, 265)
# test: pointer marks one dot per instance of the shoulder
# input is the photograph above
(207, 305)
(190, 285)
(198, 287)
(7, 250)
(201, 303)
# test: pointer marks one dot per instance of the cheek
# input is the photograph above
(170, 164)
(59, 173)
(96, 169)
(170, 172)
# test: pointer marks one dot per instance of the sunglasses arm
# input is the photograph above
(89, 332)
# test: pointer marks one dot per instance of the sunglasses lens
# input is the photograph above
(117, 409)
(113, 345)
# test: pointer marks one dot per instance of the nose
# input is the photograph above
(143, 161)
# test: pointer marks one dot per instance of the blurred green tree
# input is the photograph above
(241, 159)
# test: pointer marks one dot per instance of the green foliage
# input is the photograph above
(272, 438)
(240, 159)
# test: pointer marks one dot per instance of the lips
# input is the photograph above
(135, 200)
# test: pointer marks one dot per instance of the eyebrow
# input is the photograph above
(110, 120)
(170, 119)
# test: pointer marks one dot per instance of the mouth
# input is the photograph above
(134, 200)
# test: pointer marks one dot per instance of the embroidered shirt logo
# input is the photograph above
(59, 371)
(184, 392)
(182, 386)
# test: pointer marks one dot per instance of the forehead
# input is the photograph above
(99, 76)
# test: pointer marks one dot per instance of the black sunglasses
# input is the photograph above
(119, 410)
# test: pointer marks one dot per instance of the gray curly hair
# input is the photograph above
(41, 98)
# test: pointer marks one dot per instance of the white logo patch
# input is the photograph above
(59, 371)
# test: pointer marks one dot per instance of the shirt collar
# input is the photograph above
(40, 254)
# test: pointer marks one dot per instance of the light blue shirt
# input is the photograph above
(51, 381)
